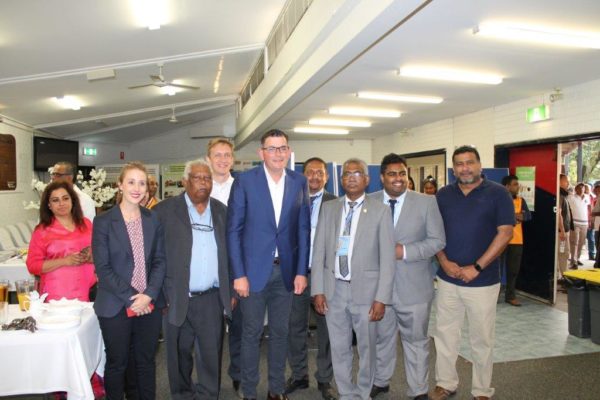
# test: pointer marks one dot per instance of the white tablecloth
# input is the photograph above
(51, 361)
(13, 270)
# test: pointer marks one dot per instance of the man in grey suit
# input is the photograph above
(197, 284)
(352, 276)
(419, 235)
(315, 171)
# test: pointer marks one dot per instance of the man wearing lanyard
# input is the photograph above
(315, 171)
(419, 234)
(352, 276)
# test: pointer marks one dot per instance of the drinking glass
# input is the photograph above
(3, 301)
(24, 287)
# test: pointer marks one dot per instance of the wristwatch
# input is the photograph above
(478, 267)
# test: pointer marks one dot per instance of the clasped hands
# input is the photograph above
(376, 312)
(242, 285)
(141, 304)
(465, 274)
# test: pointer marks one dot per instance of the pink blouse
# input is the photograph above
(54, 241)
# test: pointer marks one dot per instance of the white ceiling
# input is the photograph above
(47, 47)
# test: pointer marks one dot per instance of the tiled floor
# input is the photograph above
(534, 330)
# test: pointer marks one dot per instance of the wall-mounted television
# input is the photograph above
(47, 152)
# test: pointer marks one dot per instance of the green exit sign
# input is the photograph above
(539, 113)
(89, 151)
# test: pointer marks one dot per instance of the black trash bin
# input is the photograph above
(579, 308)
(594, 291)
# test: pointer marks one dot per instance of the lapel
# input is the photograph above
(339, 212)
(405, 212)
(118, 225)
(218, 224)
(362, 221)
(148, 229)
(268, 201)
(181, 211)
(287, 194)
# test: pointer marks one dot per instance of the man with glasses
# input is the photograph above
(419, 235)
(352, 276)
(197, 284)
(315, 171)
(64, 171)
(268, 237)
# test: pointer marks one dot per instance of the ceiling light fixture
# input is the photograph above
(365, 112)
(69, 102)
(401, 98)
(447, 74)
(538, 34)
(169, 90)
(320, 130)
(340, 122)
(150, 13)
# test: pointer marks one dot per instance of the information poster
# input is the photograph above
(526, 177)
(172, 175)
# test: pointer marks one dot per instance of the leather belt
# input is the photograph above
(203, 292)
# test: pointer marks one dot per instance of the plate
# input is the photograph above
(57, 322)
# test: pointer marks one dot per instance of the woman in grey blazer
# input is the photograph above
(129, 253)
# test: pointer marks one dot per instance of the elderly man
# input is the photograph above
(419, 234)
(478, 218)
(152, 190)
(352, 276)
(315, 171)
(64, 171)
(197, 284)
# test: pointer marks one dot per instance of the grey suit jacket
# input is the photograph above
(372, 255)
(420, 229)
(174, 216)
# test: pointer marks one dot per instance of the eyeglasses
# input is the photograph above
(354, 174)
(273, 149)
(201, 227)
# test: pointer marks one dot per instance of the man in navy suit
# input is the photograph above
(268, 237)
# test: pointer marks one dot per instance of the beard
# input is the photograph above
(469, 181)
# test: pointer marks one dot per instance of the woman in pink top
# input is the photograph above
(59, 250)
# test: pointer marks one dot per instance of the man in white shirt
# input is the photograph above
(579, 210)
(65, 172)
(219, 154)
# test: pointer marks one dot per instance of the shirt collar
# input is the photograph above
(190, 205)
(387, 197)
(270, 179)
(358, 201)
(318, 194)
(227, 181)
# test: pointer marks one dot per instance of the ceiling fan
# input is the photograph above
(160, 82)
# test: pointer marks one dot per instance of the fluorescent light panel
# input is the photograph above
(69, 102)
(365, 112)
(447, 74)
(150, 13)
(538, 34)
(321, 130)
(340, 122)
(401, 98)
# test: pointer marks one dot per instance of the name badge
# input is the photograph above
(343, 245)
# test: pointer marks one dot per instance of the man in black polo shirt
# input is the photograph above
(478, 219)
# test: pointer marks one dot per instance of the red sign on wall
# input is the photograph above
(122, 155)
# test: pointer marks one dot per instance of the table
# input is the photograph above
(14, 269)
(51, 361)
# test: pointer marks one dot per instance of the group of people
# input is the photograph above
(272, 243)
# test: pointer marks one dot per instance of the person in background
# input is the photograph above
(591, 239)
(59, 250)
(129, 254)
(565, 225)
(579, 211)
(514, 251)
(411, 183)
(152, 200)
(430, 186)
(596, 221)
(65, 172)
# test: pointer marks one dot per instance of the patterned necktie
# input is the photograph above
(392, 205)
(312, 201)
(347, 226)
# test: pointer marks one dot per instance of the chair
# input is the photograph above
(16, 236)
(32, 224)
(25, 231)
(6, 242)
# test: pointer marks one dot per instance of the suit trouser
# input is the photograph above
(591, 243)
(235, 344)
(298, 335)
(278, 301)
(513, 255)
(120, 333)
(563, 257)
(479, 304)
(577, 238)
(202, 330)
(412, 322)
(343, 316)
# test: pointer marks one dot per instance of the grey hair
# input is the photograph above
(363, 165)
(69, 168)
(194, 163)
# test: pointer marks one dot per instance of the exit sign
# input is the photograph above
(539, 113)
(89, 151)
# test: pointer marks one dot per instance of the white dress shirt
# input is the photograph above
(220, 191)
(88, 206)
(397, 209)
(276, 189)
(355, 217)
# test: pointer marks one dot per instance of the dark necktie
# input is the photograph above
(347, 227)
(392, 205)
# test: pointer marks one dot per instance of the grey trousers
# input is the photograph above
(412, 322)
(298, 335)
(343, 316)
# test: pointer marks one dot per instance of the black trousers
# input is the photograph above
(513, 255)
(139, 336)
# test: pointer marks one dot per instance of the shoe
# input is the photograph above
(376, 390)
(326, 391)
(271, 396)
(421, 397)
(439, 393)
(292, 384)
(573, 266)
(578, 263)
(514, 302)
(236, 388)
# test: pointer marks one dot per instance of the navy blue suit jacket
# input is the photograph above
(252, 234)
(113, 258)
